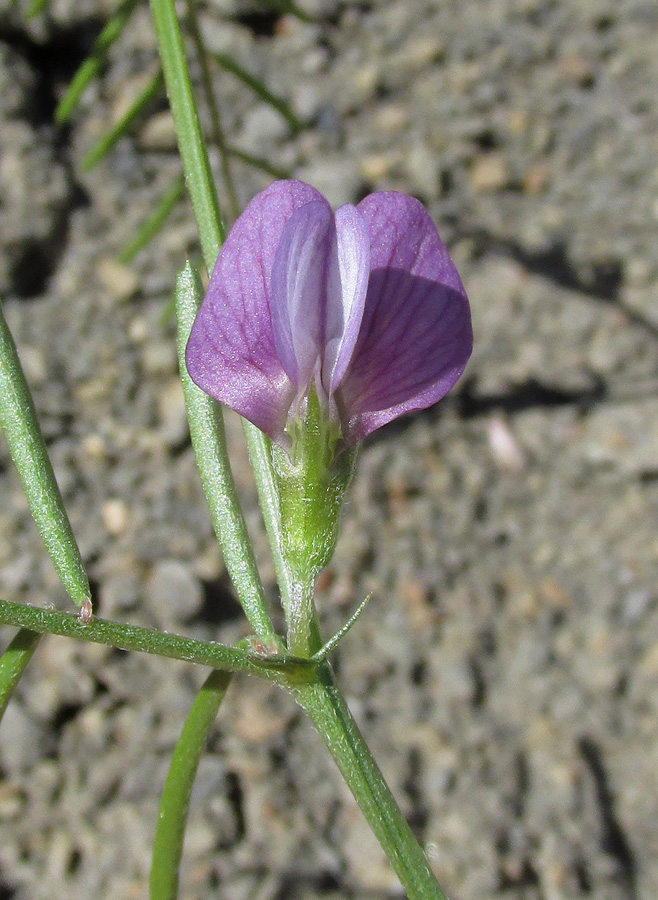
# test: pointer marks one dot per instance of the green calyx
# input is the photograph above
(311, 481)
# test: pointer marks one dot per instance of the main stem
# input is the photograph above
(326, 707)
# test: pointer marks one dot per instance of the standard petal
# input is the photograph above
(416, 335)
(299, 288)
(347, 283)
(231, 354)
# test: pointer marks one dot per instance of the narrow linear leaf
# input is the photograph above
(258, 162)
(13, 662)
(154, 222)
(209, 444)
(90, 68)
(260, 457)
(19, 422)
(105, 143)
(260, 89)
(175, 800)
(333, 642)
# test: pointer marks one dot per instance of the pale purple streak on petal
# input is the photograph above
(415, 336)
(299, 286)
(231, 354)
(347, 285)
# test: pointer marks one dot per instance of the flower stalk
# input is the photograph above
(359, 400)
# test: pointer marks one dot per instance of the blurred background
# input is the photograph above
(505, 671)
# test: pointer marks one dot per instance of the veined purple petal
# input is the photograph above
(231, 354)
(415, 336)
(347, 285)
(299, 288)
(368, 301)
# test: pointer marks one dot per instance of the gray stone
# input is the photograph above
(22, 740)
(172, 592)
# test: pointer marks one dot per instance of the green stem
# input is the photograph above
(154, 221)
(92, 64)
(217, 131)
(280, 668)
(191, 144)
(258, 447)
(298, 617)
(324, 704)
(116, 131)
(18, 420)
(175, 800)
(13, 662)
(259, 88)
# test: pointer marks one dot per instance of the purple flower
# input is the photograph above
(363, 304)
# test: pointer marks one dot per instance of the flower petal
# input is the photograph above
(299, 287)
(231, 354)
(347, 285)
(415, 336)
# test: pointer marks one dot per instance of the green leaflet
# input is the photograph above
(92, 65)
(19, 423)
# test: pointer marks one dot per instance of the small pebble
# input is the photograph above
(158, 134)
(120, 282)
(115, 517)
(489, 174)
(172, 592)
(505, 448)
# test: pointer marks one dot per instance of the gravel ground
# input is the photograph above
(505, 673)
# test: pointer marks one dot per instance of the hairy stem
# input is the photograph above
(279, 668)
(325, 706)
